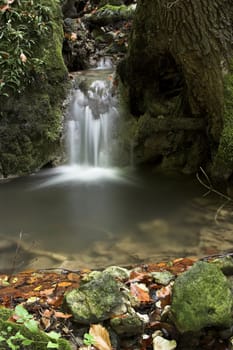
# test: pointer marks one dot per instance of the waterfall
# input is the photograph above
(90, 126)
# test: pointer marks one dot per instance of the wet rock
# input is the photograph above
(95, 300)
(163, 277)
(201, 298)
(117, 272)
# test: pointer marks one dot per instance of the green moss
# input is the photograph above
(30, 123)
(223, 163)
(201, 298)
(94, 300)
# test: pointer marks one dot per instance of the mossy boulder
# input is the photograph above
(31, 116)
(95, 300)
(201, 298)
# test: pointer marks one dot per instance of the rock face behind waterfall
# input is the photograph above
(30, 121)
(178, 85)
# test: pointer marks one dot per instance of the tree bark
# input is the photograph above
(179, 53)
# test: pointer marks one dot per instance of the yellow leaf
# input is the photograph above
(101, 337)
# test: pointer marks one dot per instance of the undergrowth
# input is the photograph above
(23, 24)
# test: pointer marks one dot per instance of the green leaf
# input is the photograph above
(2, 338)
(52, 345)
(22, 313)
(27, 342)
(88, 339)
(31, 325)
(54, 335)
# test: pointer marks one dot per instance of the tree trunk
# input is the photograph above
(179, 53)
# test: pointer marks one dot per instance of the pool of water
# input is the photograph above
(103, 218)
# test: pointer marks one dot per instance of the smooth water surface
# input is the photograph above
(93, 213)
(112, 218)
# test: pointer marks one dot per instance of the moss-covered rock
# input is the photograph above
(201, 298)
(30, 118)
(95, 300)
(128, 324)
(109, 14)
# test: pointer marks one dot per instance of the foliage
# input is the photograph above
(23, 24)
(25, 332)
(88, 339)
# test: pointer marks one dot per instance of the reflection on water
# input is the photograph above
(117, 219)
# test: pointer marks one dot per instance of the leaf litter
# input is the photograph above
(41, 295)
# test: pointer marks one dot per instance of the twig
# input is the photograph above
(210, 189)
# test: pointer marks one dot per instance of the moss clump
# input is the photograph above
(109, 14)
(31, 115)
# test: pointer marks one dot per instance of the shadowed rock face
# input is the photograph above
(174, 71)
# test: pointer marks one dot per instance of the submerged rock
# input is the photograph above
(201, 298)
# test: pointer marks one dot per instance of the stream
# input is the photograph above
(90, 213)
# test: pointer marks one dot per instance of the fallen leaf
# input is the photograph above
(139, 277)
(37, 288)
(73, 36)
(47, 292)
(23, 57)
(140, 291)
(64, 284)
(4, 8)
(60, 314)
(101, 337)
(164, 291)
(73, 277)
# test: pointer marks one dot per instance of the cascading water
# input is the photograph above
(90, 127)
(90, 143)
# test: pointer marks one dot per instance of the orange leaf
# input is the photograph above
(61, 315)
(64, 284)
(101, 337)
(139, 292)
(164, 291)
(47, 292)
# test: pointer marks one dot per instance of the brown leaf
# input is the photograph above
(4, 8)
(139, 292)
(101, 337)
